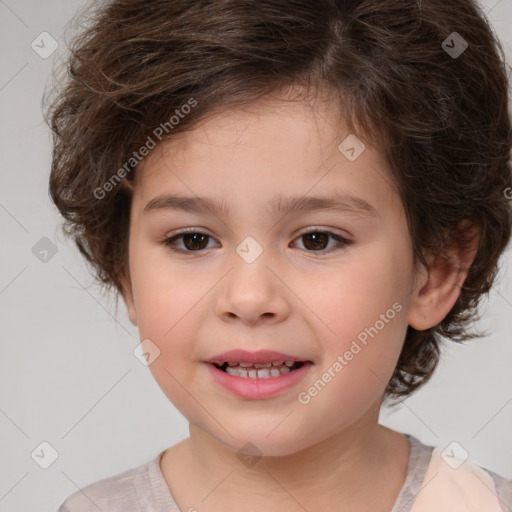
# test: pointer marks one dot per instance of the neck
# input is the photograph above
(363, 467)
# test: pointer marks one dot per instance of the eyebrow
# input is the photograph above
(342, 203)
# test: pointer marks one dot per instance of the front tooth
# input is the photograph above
(245, 365)
(262, 373)
(279, 363)
(237, 372)
(262, 365)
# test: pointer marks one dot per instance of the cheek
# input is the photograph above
(361, 317)
(358, 295)
(168, 311)
(163, 294)
(170, 306)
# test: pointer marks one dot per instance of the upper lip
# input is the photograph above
(259, 357)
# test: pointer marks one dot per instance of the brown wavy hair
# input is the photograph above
(442, 121)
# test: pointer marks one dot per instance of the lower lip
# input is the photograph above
(258, 388)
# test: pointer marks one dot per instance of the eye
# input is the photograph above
(196, 241)
(193, 240)
(316, 239)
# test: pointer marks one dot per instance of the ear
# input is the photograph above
(127, 295)
(438, 288)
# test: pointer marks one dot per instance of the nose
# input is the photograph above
(254, 292)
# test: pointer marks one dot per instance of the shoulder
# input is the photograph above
(503, 489)
(117, 493)
(453, 483)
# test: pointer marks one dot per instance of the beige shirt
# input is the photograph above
(431, 485)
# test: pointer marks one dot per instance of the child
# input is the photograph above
(203, 150)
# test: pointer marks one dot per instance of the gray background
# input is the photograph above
(69, 376)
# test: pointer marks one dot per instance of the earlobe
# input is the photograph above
(438, 290)
(127, 295)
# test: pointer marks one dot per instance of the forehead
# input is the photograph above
(270, 148)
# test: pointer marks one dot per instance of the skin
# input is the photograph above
(311, 304)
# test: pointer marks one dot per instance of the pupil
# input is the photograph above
(198, 240)
(318, 239)
(195, 237)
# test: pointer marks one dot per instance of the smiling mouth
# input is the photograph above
(260, 371)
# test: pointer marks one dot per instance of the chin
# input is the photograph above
(259, 442)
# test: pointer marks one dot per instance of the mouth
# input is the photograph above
(259, 370)
(257, 375)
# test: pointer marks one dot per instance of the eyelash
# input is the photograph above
(170, 242)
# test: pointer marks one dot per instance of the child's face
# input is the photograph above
(306, 296)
